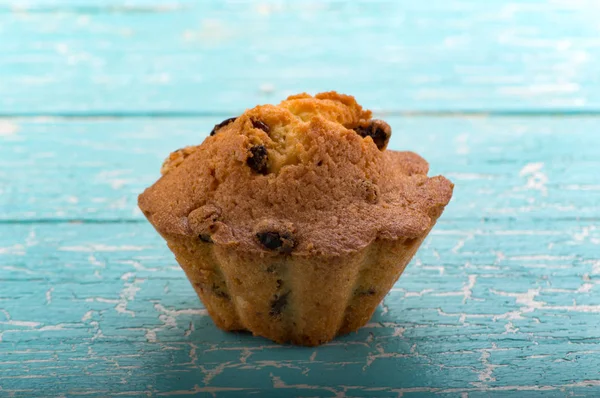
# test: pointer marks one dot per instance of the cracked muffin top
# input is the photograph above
(311, 175)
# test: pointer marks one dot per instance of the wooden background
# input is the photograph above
(502, 97)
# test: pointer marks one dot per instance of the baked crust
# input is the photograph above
(294, 221)
(301, 169)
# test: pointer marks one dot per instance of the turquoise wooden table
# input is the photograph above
(502, 97)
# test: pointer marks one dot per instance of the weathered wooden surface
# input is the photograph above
(153, 56)
(502, 299)
(524, 169)
(485, 307)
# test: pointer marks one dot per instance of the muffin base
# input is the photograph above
(301, 300)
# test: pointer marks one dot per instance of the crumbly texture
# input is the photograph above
(304, 193)
(311, 170)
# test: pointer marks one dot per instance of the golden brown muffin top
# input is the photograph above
(308, 176)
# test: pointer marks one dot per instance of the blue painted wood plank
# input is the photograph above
(504, 168)
(485, 308)
(500, 301)
(221, 57)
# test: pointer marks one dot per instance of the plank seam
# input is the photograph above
(382, 113)
(445, 220)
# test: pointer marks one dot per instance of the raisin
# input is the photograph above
(271, 268)
(257, 124)
(378, 130)
(222, 124)
(219, 292)
(258, 160)
(278, 304)
(368, 292)
(282, 242)
(214, 289)
(205, 238)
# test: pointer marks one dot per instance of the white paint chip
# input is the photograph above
(49, 295)
(537, 179)
(267, 88)
(531, 168)
(87, 316)
(8, 129)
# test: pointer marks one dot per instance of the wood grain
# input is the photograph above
(501, 97)
(500, 300)
(524, 169)
(484, 307)
(183, 57)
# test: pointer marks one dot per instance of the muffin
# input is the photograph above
(293, 221)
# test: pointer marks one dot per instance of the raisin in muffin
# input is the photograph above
(293, 221)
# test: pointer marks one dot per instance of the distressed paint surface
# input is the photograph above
(484, 307)
(501, 300)
(504, 168)
(147, 57)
